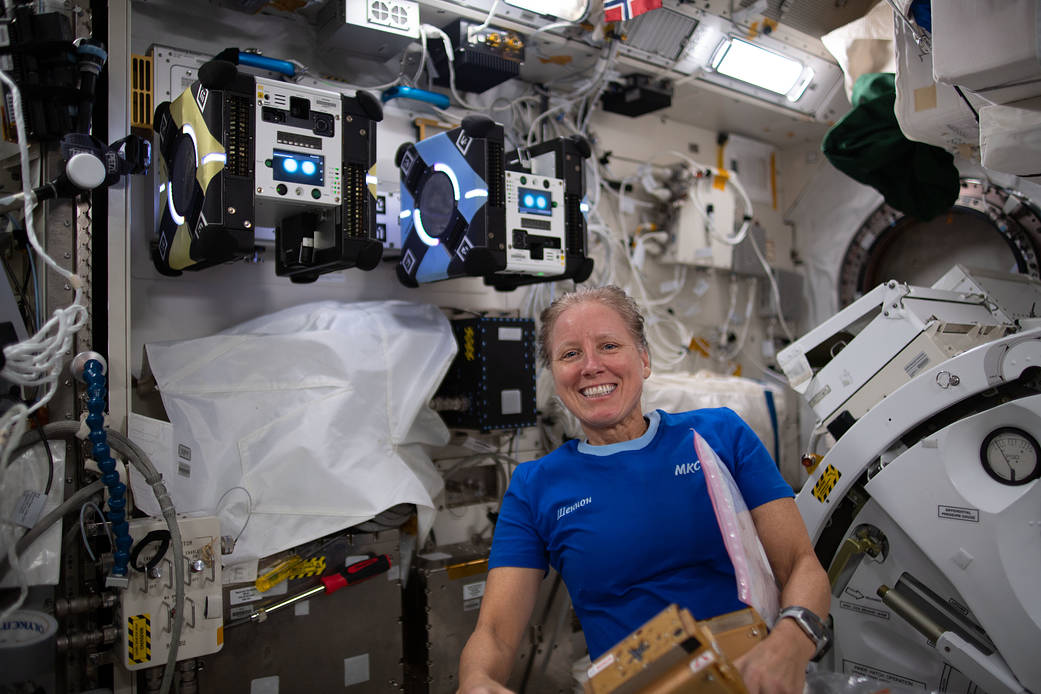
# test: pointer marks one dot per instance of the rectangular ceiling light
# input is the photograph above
(761, 67)
(569, 10)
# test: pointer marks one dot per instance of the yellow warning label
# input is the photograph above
(699, 345)
(720, 181)
(139, 639)
(468, 344)
(220, 636)
(825, 483)
(312, 567)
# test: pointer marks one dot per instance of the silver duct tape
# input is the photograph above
(26, 645)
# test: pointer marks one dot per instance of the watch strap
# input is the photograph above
(812, 625)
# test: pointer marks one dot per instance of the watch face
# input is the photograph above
(1011, 456)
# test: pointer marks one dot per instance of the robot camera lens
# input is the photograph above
(322, 124)
(299, 107)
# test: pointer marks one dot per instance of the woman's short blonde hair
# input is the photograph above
(609, 295)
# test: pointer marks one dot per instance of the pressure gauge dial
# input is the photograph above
(1011, 456)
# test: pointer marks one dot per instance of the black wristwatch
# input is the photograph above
(811, 625)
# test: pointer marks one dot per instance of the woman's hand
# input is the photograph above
(777, 665)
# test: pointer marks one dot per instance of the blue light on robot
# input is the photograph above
(540, 202)
(308, 168)
(289, 165)
(529, 200)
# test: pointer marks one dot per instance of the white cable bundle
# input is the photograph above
(38, 360)
(12, 426)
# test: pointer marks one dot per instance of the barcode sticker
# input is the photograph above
(473, 590)
(796, 367)
(28, 509)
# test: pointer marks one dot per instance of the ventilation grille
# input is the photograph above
(662, 32)
(238, 142)
(388, 13)
(575, 224)
(479, 60)
(355, 197)
(141, 91)
(496, 175)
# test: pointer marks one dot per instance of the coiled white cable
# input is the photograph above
(38, 360)
(732, 178)
(774, 291)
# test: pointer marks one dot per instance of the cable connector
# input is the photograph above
(117, 582)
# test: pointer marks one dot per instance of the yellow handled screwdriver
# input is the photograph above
(287, 567)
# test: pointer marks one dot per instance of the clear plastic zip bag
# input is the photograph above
(756, 586)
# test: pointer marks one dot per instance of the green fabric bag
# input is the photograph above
(918, 179)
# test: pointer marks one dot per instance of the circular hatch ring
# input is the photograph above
(1014, 219)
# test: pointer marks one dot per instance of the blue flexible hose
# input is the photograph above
(94, 375)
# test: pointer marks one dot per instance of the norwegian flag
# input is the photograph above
(620, 10)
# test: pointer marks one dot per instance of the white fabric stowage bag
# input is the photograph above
(312, 419)
(1010, 137)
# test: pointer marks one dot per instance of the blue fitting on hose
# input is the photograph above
(94, 375)
(265, 63)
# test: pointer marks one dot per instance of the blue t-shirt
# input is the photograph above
(630, 525)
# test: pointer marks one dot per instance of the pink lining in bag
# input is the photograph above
(756, 586)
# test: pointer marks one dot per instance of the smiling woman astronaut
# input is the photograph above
(627, 531)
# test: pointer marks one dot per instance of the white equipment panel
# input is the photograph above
(926, 510)
(147, 604)
(962, 549)
(886, 338)
(298, 148)
(369, 28)
(693, 241)
(535, 231)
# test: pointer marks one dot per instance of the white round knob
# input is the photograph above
(86, 171)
